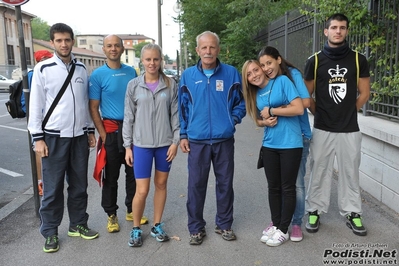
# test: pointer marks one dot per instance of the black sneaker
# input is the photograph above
(83, 231)
(196, 239)
(312, 225)
(226, 234)
(51, 244)
(355, 223)
(135, 237)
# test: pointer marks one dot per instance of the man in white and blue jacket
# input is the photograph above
(63, 142)
(210, 105)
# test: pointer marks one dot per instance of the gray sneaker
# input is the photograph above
(355, 223)
(312, 225)
(226, 234)
(51, 244)
(83, 231)
(196, 239)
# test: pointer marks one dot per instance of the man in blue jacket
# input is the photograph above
(210, 105)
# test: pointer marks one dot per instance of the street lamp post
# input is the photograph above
(180, 54)
(18, 13)
(159, 23)
(177, 9)
(185, 55)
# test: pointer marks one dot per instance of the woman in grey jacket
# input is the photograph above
(150, 132)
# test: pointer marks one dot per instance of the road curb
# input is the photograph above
(15, 204)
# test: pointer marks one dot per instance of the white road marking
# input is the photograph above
(15, 128)
(10, 173)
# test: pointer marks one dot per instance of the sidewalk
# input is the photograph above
(21, 242)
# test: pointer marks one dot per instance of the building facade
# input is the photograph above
(10, 58)
(94, 42)
(91, 59)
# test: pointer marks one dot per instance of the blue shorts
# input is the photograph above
(143, 158)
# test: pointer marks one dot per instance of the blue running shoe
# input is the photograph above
(159, 233)
(135, 237)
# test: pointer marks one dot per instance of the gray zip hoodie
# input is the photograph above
(151, 120)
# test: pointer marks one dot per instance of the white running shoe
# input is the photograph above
(267, 228)
(268, 234)
(277, 239)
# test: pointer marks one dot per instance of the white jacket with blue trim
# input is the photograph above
(71, 116)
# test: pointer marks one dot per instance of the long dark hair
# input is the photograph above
(274, 53)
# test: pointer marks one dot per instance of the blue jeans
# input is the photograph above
(300, 185)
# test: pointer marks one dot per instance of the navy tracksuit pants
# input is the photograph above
(200, 158)
(68, 157)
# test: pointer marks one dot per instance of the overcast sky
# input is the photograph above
(115, 16)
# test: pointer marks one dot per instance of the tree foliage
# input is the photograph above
(138, 48)
(40, 29)
(200, 16)
(250, 18)
(236, 22)
(167, 59)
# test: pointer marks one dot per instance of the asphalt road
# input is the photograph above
(21, 242)
(15, 166)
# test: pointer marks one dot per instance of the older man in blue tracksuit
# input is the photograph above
(210, 105)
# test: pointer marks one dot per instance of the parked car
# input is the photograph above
(17, 73)
(172, 74)
(5, 83)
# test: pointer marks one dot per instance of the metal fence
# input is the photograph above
(297, 37)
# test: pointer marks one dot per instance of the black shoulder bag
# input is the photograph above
(259, 165)
(58, 97)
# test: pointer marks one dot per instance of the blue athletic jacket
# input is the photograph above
(209, 108)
